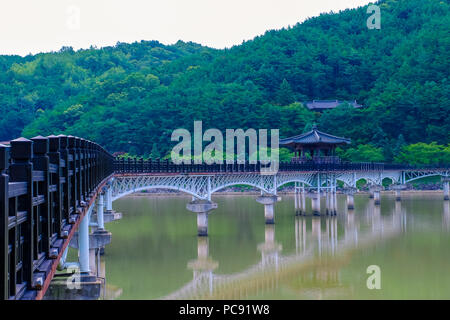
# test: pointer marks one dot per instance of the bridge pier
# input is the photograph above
(350, 201)
(334, 201)
(108, 198)
(350, 192)
(376, 197)
(315, 202)
(371, 192)
(100, 205)
(328, 203)
(446, 182)
(300, 207)
(83, 245)
(398, 191)
(375, 190)
(202, 208)
(268, 201)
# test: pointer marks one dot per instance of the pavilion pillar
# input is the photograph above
(202, 208)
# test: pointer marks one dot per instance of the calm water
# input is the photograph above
(155, 253)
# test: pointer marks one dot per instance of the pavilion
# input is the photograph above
(315, 146)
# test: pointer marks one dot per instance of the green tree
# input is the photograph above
(155, 152)
(423, 153)
(285, 95)
(364, 153)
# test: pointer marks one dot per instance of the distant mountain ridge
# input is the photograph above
(130, 97)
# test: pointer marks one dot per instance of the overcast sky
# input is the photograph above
(31, 26)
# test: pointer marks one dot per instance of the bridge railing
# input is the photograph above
(139, 165)
(44, 183)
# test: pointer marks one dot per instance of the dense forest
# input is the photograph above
(131, 97)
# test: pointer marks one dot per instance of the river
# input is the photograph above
(155, 253)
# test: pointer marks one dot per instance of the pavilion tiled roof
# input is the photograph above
(314, 137)
(328, 104)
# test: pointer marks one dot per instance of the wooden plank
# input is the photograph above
(38, 175)
(16, 189)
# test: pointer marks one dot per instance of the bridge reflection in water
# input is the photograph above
(323, 246)
(320, 251)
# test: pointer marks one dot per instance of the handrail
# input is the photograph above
(44, 183)
(139, 165)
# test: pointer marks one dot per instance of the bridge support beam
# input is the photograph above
(202, 208)
(446, 188)
(83, 247)
(268, 201)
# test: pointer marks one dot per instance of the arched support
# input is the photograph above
(268, 201)
(202, 208)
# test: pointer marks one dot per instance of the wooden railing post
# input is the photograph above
(74, 193)
(21, 170)
(55, 181)
(41, 162)
(83, 154)
(4, 214)
(79, 171)
(66, 190)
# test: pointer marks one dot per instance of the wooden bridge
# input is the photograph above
(50, 188)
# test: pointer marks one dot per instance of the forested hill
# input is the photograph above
(131, 97)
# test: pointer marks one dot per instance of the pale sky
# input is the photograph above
(32, 26)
